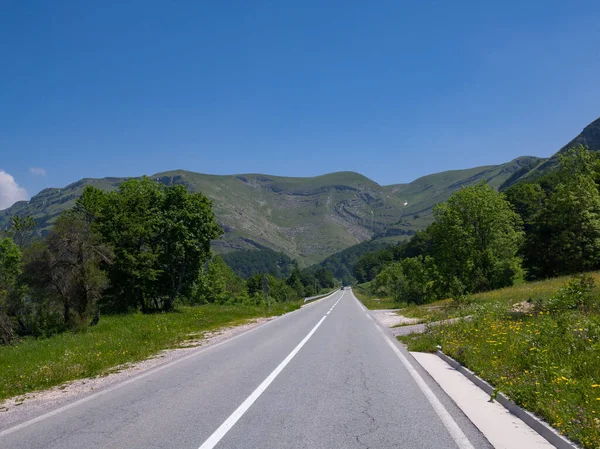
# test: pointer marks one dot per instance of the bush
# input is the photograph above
(575, 294)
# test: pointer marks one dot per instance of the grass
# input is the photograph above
(505, 297)
(547, 362)
(39, 364)
(362, 293)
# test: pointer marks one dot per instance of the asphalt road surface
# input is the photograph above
(325, 376)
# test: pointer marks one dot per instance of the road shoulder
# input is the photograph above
(500, 427)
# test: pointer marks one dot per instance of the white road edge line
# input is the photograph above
(218, 434)
(145, 374)
(455, 431)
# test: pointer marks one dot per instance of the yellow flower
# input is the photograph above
(596, 386)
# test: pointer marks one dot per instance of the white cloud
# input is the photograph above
(10, 192)
(38, 171)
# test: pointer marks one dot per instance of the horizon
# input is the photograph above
(393, 92)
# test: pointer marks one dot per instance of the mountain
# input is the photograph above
(589, 137)
(305, 218)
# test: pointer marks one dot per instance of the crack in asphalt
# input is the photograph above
(357, 383)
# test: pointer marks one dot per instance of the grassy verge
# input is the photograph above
(361, 291)
(375, 303)
(39, 364)
(547, 362)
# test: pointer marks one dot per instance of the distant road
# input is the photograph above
(325, 376)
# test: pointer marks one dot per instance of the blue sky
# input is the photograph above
(392, 89)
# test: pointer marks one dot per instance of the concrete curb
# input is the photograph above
(541, 427)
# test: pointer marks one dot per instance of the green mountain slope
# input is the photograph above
(306, 218)
(589, 137)
(423, 193)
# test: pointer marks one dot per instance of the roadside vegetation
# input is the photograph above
(507, 267)
(122, 275)
(362, 292)
(36, 364)
(485, 240)
(538, 343)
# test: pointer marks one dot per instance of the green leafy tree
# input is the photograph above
(561, 216)
(325, 278)
(279, 290)
(389, 281)
(476, 238)
(410, 280)
(161, 237)
(566, 237)
(64, 269)
(295, 282)
(10, 270)
(219, 283)
(579, 160)
(22, 229)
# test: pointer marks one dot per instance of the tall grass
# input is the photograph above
(43, 363)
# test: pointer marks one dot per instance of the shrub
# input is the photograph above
(575, 294)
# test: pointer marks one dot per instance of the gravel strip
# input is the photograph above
(391, 318)
(420, 328)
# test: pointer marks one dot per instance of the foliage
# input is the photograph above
(575, 294)
(161, 237)
(247, 263)
(476, 238)
(342, 264)
(217, 283)
(561, 212)
(10, 270)
(370, 264)
(410, 280)
(364, 294)
(295, 282)
(566, 236)
(547, 361)
(266, 289)
(64, 269)
(36, 364)
(21, 230)
(308, 219)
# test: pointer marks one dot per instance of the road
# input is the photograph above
(325, 376)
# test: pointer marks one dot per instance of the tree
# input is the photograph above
(219, 283)
(562, 216)
(389, 281)
(476, 238)
(161, 237)
(579, 160)
(22, 229)
(411, 280)
(566, 236)
(295, 282)
(10, 270)
(325, 278)
(65, 269)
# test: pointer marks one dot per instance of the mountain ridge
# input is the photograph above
(311, 218)
(308, 218)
